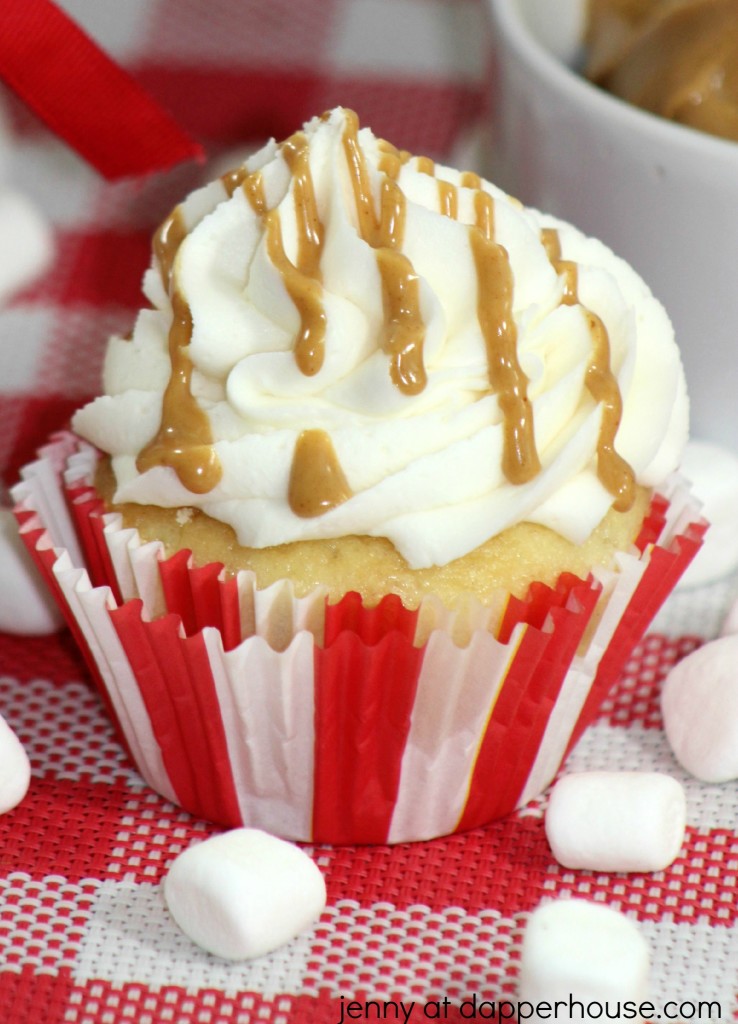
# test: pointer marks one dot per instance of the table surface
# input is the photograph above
(437, 926)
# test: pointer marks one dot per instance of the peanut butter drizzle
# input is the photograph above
(404, 330)
(392, 159)
(252, 187)
(250, 183)
(317, 482)
(484, 214)
(302, 279)
(520, 462)
(470, 180)
(448, 199)
(520, 458)
(184, 441)
(167, 240)
(565, 268)
(613, 471)
(676, 58)
(296, 152)
(232, 180)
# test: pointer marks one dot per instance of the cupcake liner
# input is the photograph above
(336, 723)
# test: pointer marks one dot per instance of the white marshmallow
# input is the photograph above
(243, 893)
(15, 769)
(713, 472)
(699, 703)
(616, 821)
(582, 953)
(6, 142)
(26, 606)
(26, 244)
(730, 622)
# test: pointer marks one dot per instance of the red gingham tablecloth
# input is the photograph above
(84, 934)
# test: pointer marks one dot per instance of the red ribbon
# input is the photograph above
(84, 96)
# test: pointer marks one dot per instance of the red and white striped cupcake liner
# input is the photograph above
(336, 723)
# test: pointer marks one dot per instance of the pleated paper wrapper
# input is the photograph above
(336, 723)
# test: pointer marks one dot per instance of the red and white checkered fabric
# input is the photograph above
(84, 934)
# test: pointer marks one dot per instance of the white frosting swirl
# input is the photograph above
(424, 469)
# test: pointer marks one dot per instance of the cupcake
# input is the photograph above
(378, 498)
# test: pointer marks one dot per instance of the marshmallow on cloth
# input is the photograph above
(713, 472)
(26, 605)
(26, 245)
(699, 703)
(244, 893)
(586, 955)
(616, 821)
(730, 622)
(15, 769)
(25, 242)
(25, 250)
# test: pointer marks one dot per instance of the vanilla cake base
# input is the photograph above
(372, 566)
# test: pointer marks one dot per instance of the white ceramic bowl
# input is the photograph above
(663, 196)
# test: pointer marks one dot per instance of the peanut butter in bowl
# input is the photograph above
(674, 58)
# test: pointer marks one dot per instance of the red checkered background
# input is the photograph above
(84, 934)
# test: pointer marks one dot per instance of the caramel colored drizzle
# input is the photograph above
(613, 471)
(551, 244)
(306, 294)
(392, 159)
(250, 183)
(167, 241)
(184, 441)
(425, 165)
(232, 180)
(484, 214)
(359, 179)
(565, 268)
(470, 180)
(520, 462)
(317, 482)
(296, 153)
(252, 187)
(302, 279)
(448, 198)
(404, 330)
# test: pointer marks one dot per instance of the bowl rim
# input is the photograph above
(557, 75)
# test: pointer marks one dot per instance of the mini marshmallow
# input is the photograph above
(15, 769)
(26, 244)
(730, 622)
(616, 821)
(26, 606)
(699, 704)
(582, 953)
(244, 893)
(6, 141)
(713, 472)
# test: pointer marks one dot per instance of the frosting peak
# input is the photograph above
(346, 339)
